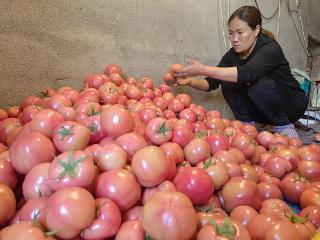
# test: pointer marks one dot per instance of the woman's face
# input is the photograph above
(242, 37)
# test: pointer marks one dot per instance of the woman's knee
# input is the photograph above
(264, 88)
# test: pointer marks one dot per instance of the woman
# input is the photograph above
(254, 75)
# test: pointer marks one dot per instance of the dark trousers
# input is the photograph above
(265, 101)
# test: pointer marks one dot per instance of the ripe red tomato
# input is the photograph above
(131, 143)
(217, 170)
(292, 185)
(25, 230)
(30, 149)
(150, 165)
(116, 120)
(312, 214)
(45, 121)
(95, 80)
(274, 207)
(106, 222)
(112, 68)
(173, 151)
(243, 214)
(70, 134)
(8, 174)
(222, 229)
(158, 131)
(62, 211)
(196, 150)
(32, 210)
(240, 191)
(169, 215)
(245, 143)
(6, 126)
(120, 186)
(131, 229)
(111, 156)
(71, 169)
(310, 196)
(268, 190)
(195, 183)
(36, 182)
(8, 203)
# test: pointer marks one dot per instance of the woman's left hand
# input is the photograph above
(194, 68)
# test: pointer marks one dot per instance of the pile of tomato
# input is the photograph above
(124, 159)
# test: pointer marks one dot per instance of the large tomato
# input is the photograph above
(45, 121)
(274, 207)
(131, 143)
(6, 126)
(8, 203)
(150, 165)
(240, 191)
(312, 214)
(25, 230)
(116, 120)
(245, 143)
(70, 169)
(120, 186)
(292, 185)
(131, 229)
(30, 149)
(36, 182)
(106, 222)
(310, 170)
(158, 131)
(173, 151)
(32, 210)
(148, 193)
(310, 196)
(217, 170)
(243, 214)
(111, 156)
(62, 212)
(169, 215)
(8, 175)
(93, 123)
(268, 190)
(95, 80)
(69, 135)
(196, 150)
(195, 183)
(223, 229)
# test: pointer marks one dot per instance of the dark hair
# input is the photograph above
(252, 16)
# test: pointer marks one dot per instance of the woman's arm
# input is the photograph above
(199, 84)
(229, 74)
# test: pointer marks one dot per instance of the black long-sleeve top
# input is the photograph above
(266, 58)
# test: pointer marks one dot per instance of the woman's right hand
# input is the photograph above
(183, 81)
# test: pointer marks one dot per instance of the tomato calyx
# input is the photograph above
(209, 162)
(147, 237)
(93, 127)
(35, 222)
(202, 134)
(70, 165)
(93, 111)
(43, 94)
(295, 218)
(299, 178)
(64, 132)
(227, 230)
(205, 209)
(163, 129)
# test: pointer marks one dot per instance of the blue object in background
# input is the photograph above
(295, 207)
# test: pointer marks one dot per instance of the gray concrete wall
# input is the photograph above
(56, 43)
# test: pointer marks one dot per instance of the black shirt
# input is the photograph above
(266, 58)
